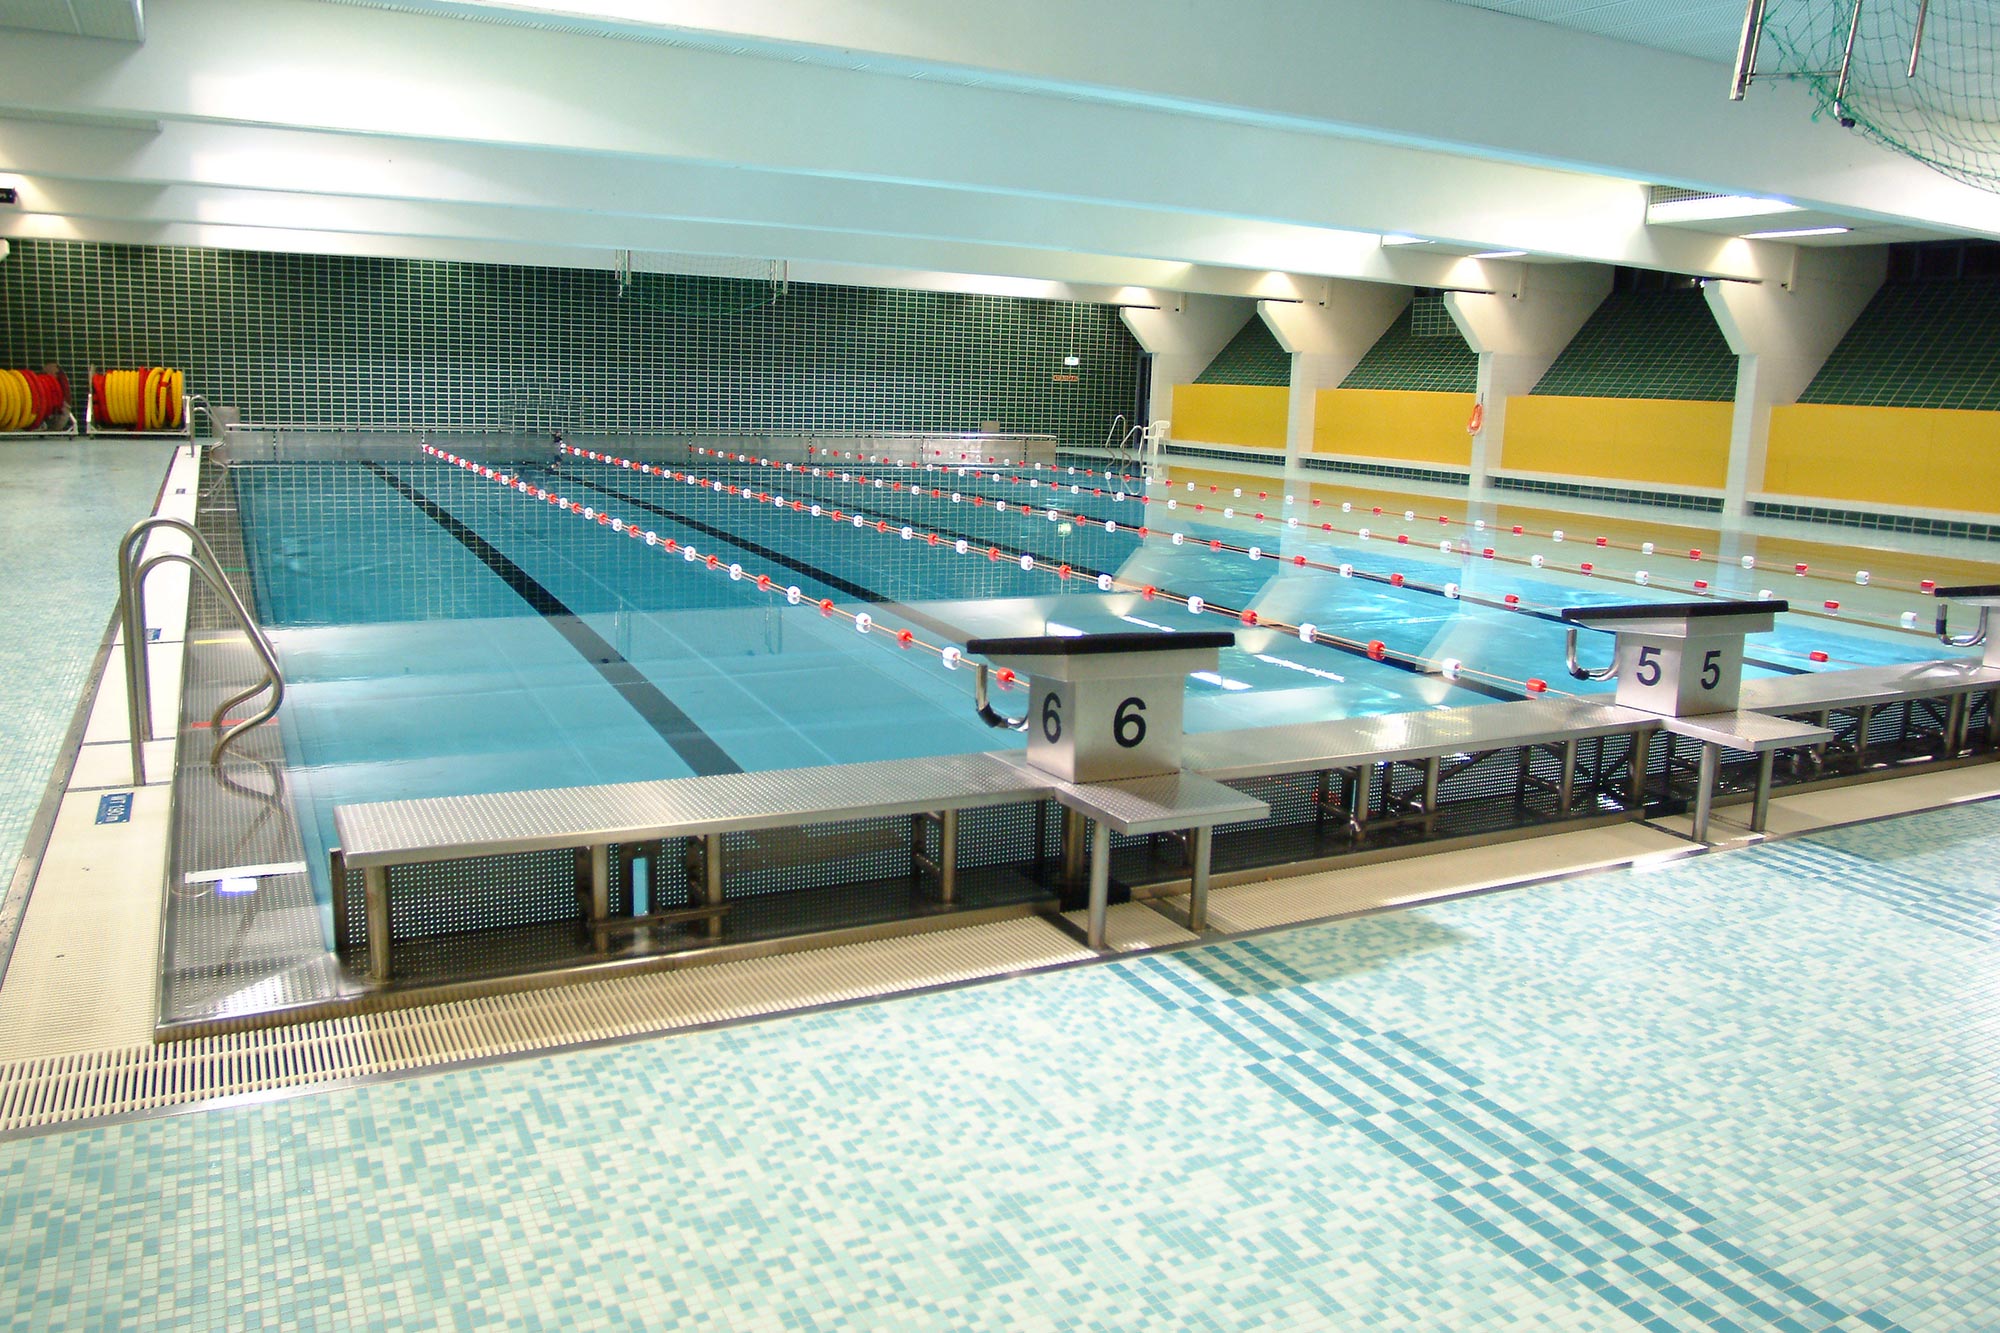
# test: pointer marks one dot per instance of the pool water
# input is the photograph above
(442, 634)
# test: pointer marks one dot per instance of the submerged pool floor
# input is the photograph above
(1742, 1091)
(444, 634)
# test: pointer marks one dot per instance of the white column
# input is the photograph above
(1518, 334)
(1327, 339)
(1782, 333)
(1182, 336)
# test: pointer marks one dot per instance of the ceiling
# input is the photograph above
(1705, 29)
(115, 19)
(1039, 147)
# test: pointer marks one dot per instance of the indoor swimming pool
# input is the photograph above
(444, 631)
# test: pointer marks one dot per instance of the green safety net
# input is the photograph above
(1946, 113)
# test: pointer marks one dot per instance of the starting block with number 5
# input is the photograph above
(1678, 659)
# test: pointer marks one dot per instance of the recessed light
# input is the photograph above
(1795, 232)
(1716, 207)
(1398, 239)
(1499, 254)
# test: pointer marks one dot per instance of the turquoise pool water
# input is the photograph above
(443, 634)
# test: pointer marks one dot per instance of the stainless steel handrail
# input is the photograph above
(132, 614)
(1582, 672)
(1116, 432)
(1950, 640)
(988, 714)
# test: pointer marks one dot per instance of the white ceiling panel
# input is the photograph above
(118, 19)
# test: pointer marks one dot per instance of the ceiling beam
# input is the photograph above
(239, 158)
(359, 71)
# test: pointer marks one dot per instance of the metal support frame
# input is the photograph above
(1846, 67)
(1746, 51)
(375, 891)
(1704, 792)
(945, 864)
(1100, 882)
(1203, 846)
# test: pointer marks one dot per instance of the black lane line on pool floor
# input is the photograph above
(695, 747)
(901, 610)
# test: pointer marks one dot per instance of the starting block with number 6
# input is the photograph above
(1101, 707)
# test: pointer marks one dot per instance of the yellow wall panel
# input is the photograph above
(1925, 458)
(1394, 424)
(1252, 415)
(1655, 440)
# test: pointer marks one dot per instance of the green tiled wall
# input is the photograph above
(1253, 356)
(352, 341)
(1647, 344)
(1919, 344)
(1423, 350)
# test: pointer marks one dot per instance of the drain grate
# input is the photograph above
(47, 1092)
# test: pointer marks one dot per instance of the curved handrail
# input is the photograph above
(987, 713)
(1582, 672)
(1950, 640)
(1118, 423)
(272, 681)
(132, 611)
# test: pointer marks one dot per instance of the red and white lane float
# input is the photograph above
(1537, 561)
(864, 623)
(1041, 474)
(1030, 561)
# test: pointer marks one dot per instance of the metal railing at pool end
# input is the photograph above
(132, 616)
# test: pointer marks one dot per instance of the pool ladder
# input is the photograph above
(132, 618)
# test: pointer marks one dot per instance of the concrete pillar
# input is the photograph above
(1327, 339)
(1782, 333)
(1182, 336)
(1518, 334)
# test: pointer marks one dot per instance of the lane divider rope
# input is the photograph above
(1451, 669)
(1829, 609)
(1558, 536)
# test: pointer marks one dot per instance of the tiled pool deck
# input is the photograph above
(1751, 1091)
(64, 505)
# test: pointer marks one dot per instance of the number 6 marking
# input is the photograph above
(1052, 717)
(1128, 727)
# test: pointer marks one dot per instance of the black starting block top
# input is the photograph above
(1081, 645)
(1584, 615)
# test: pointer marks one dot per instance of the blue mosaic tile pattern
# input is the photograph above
(1737, 1092)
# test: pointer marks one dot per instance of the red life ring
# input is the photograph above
(1477, 419)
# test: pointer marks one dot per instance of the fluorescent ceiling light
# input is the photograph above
(1795, 232)
(1716, 207)
(1500, 254)
(1396, 238)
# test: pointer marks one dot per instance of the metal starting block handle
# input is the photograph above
(1985, 596)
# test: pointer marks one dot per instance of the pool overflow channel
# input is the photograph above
(443, 897)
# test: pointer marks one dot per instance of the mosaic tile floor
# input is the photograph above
(63, 506)
(1744, 1091)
